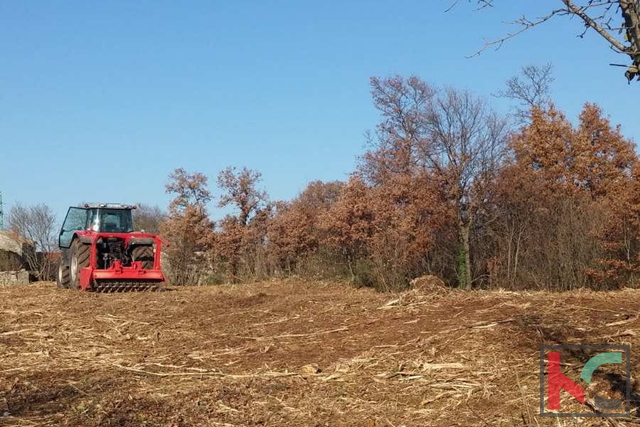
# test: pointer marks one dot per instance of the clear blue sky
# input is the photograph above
(99, 101)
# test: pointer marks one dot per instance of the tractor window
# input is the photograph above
(116, 220)
(76, 220)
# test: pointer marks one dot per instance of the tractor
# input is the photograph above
(102, 253)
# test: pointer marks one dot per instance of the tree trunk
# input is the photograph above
(464, 267)
(631, 14)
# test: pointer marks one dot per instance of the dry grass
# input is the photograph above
(293, 354)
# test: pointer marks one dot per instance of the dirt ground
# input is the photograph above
(297, 354)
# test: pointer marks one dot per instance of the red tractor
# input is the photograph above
(101, 252)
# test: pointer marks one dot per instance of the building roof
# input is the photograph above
(13, 242)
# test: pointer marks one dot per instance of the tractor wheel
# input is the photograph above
(63, 278)
(80, 257)
(143, 254)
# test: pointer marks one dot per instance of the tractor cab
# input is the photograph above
(100, 218)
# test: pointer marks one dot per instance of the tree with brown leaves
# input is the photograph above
(594, 157)
(240, 191)
(291, 236)
(450, 136)
(294, 232)
(565, 208)
(188, 229)
(409, 216)
(240, 241)
(348, 224)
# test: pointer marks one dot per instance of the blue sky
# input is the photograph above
(99, 101)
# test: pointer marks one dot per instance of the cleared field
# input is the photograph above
(294, 354)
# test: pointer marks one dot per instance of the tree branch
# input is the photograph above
(593, 24)
(526, 25)
(600, 21)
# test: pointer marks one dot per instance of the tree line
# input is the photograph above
(446, 187)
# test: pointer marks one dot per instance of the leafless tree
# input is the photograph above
(449, 136)
(601, 16)
(464, 146)
(148, 218)
(531, 88)
(37, 224)
(393, 149)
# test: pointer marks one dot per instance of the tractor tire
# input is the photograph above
(63, 278)
(80, 258)
(143, 254)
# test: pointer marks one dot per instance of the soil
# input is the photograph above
(291, 353)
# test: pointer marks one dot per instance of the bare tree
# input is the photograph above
(530, 89)
(464, 147)
(148, 218)
(601, 16)
(450, 136)
(394, 147)
(37, 224)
